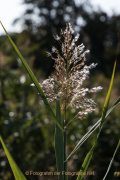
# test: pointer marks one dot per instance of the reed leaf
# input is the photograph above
(33, 79)
(90, 153)
(107, 98)
(16, 171)
(112, 160)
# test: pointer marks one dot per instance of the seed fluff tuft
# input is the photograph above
(71, 72)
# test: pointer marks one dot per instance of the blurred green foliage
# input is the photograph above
(25, 124)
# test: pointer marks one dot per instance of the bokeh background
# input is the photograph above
(25, 124)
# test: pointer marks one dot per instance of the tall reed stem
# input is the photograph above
(65, 162)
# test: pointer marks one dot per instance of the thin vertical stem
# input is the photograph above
(65, 162)
(64, 153)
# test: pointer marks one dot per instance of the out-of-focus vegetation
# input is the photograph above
(25, 124)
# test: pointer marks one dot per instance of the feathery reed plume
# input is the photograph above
(71, 72)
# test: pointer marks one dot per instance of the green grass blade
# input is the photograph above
(95, 126)
(85, 165)
(107, 98)
(33, 79)
(59, 144)
(16, 171)
(90, 153)
(111, 160)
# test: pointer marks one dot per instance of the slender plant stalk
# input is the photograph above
(65, 162)
(64, 154)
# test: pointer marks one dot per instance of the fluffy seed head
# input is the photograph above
(71, 72)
